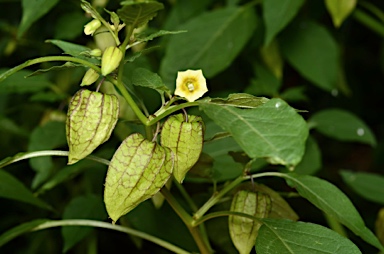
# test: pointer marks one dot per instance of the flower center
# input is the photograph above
(190, 86)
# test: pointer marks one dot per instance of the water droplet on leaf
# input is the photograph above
(360, 131)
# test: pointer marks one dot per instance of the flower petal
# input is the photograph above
(191, 84)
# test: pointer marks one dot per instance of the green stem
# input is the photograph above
(194, 208)
(23, 156)
(101, 224)
(224, 213)
(216, 197)
(119, 82)
(143, 119)
(171, 110)
(185, 195)
(188, 221)
(369, 22)
(15, 69)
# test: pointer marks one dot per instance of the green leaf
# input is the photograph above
(184, 10)
(273, 130)
(273, 59)
(265, 83)
(340, 10)
(313, 52)
(137, 14)
(145, 37)
(12, 188)
(328, 198)
(342, 125)
(9, 126)
(82, 207)
(277, 15)
(46, 137)
(367, 185)
(209, 36)
(19, 230)
(32, 11)
(145, 217)
(311, 161)
(239, 100)
(294, 94)
(67, 173)
(17, 83)
(70, 25)
(75, 50)
(284, 236)
(48, 97)
(54, 68)
(224, 167)
(146, 78)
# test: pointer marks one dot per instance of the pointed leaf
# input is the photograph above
(224, 167)
(46, 137)
(265, 83)
(137, 14)
(367, 185)
(209, 35)
(273, 130)
(82, 207)
(340, 10)
(146, 78)
(12, 188)
(32, 11)
(145, 37)
(75, 50)
(312, 51)
(240, 100)
(67, 65)
(17, 83)
(332, 201)
(277, 15)
(311, 161)
(284, 236)
(342, 125)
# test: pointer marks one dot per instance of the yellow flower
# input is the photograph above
(190, 84)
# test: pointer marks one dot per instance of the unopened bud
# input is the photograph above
(110, 60)
(89, 77)
(95, 52)
(92, 26)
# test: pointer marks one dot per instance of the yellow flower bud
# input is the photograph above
(110, 60)
(190, 84)
(95, 52)
(89, 77)
(92, 26)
